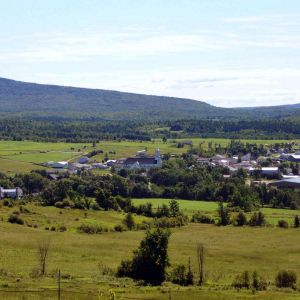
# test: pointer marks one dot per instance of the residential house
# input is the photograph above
(14, 193)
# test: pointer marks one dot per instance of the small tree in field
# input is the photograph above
(150, 260)
(43, 250)
(201, 260)
(224, 215)
(241, 219)
(129, 221)
(174, 208)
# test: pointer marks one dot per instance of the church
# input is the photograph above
(140, 162)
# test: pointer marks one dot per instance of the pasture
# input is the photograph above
(82, 257)
(24, 156)
(189, 207)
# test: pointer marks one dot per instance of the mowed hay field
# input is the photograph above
(189, 207)
(24, 156)
(81, 257)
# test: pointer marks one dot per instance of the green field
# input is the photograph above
(22, 156)
(187, 206)
(209, 207)
(80, 257)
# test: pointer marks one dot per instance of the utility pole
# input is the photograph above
(58, 291)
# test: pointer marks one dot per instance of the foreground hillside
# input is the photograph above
(86, 261)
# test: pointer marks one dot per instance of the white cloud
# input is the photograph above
(261, 18)
(227, 88)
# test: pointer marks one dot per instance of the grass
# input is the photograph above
(230, 250)
(209, 207)
(22, 156)
(187, 206)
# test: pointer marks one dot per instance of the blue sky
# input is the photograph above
(227, 53)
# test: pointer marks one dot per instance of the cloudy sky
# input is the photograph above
(227, 53)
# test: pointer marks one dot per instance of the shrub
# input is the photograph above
(15, 219)
(129, 221)
(283, 224)
(8, 203)
(62, 228)
(95, 206)
(149, 260)
(59, 204)
(241, 219)
(24, 209)
(105, 270)
(91, 229)
(286, 278)
(198, 217)
(258, 282)
(119, 228)
(125, 269)
(182, 275)
(242, 280)
(53, 228)
(224, 215)
(257, 219)
(165, 222)
(178, 275)
(64, 203)
(296, 222)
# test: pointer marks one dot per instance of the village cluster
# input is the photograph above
(275, 175)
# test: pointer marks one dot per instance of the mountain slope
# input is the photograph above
(26, 98)
(30, 99)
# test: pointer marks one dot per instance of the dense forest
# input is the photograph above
(74, 130)
(38, 100)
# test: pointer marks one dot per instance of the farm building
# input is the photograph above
(83, 160)
(141, 162)
(58, 165)
(15, 193)
(266, 171)
(294, 158)
(293, 182)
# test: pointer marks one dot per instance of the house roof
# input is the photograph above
(295, 156)
(140, 160)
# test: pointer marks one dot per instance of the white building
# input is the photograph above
(15, 193)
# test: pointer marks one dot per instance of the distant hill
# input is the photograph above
(30, 99)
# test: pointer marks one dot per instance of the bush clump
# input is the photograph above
(257, 219)
(91, 229)
(182, 275)
(244, 280)
(198, 217)
(241, 219)
(283, 224)
(119, 228)
(15, 219)
(286, 279)
(171, 222)
(150, 260)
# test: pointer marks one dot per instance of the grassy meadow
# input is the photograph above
(82, 257)
(189, 207)
(24, 156)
